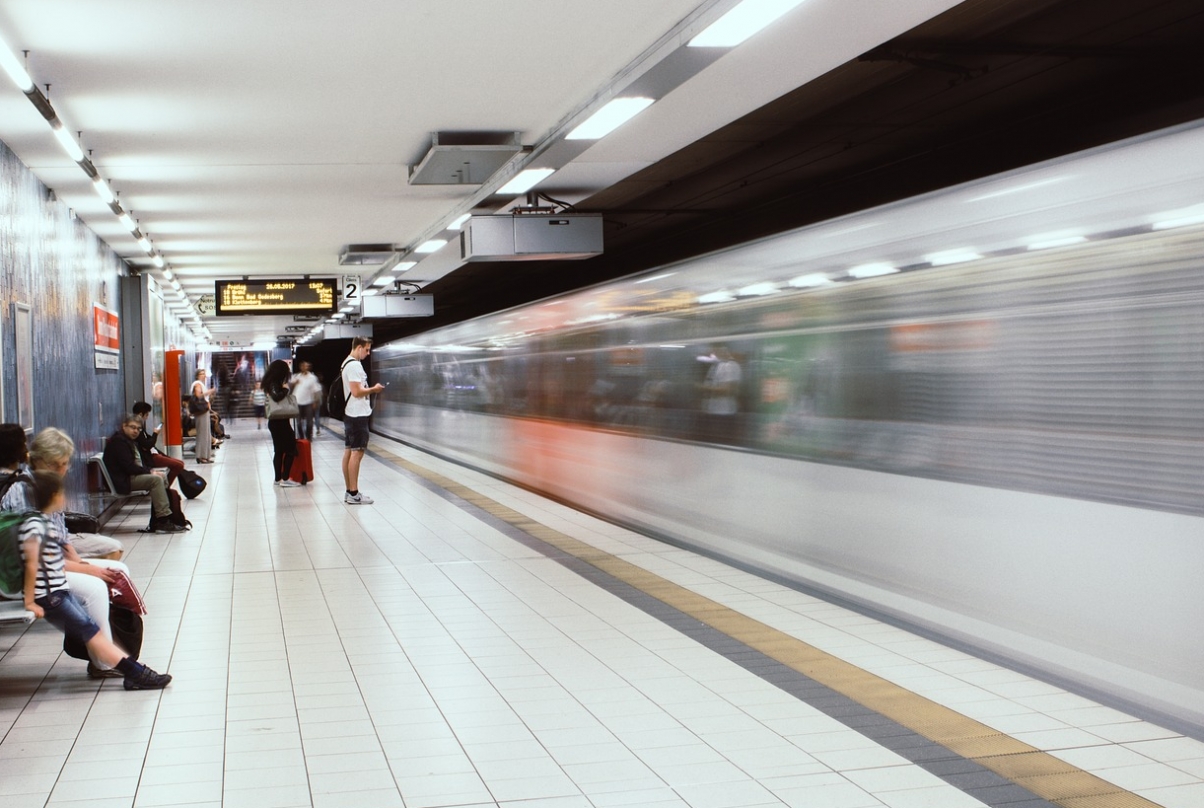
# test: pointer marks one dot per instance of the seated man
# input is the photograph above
(124, 462)
(151, 457)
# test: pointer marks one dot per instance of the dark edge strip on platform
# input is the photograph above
(960, 772)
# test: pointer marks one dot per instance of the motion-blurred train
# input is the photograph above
(979, 412)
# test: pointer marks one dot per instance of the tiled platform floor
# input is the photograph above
(411, 653)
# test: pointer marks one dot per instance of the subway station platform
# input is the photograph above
(463, 642)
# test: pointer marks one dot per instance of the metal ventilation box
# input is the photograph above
(399, 306)
(543, 237)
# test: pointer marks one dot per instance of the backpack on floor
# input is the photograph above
(126, 627)
(191, 484)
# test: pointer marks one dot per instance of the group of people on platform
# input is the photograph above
(278, 383)
(67, 576)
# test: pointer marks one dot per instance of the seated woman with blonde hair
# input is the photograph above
(52, 450)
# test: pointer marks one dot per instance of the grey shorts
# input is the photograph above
(355, 432)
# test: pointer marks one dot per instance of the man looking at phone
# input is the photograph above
(355, 418)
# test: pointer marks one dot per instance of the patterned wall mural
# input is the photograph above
(58, 268)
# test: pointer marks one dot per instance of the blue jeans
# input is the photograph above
(68, 615)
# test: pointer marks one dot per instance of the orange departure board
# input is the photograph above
(276, 296)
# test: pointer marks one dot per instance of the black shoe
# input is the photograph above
(164, 525)
(100, 673)
(147, 679)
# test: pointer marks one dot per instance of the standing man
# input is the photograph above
(355, 418)
(308, 391)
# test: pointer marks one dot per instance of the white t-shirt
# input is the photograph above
(723, 376)
(306, 388)
(356, 407)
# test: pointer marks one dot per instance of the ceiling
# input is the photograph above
(260, 139)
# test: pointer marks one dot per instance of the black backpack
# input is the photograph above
(337, 398)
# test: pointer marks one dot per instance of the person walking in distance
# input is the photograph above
(355, 418)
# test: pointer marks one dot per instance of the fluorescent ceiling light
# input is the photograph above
(14, 68)
(1048, 242)
(430, 246)
(68, 143)
(872, 270)
(526, 180)
(158, 261)
(405, 266)
(459, 222)
(103, 191)
(812, 280)
(144, 243)
(609, 118)
(946, 257)
(167, 274)
(384, 280)
(742, 22)
(1180, 218)
(127, 222)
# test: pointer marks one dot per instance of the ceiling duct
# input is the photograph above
(358, 254)
(465, 158)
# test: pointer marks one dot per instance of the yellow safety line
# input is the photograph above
(1039, 772)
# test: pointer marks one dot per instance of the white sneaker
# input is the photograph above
(357, 499)
(289, 484)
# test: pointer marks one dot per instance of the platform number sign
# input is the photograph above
(352, 290)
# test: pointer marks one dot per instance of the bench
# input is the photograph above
(13, 611)
(98, 460)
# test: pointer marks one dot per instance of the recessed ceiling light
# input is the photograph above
(1180, 218)
(405, 265)
(742, 22)
(616, 113)
(526, 180)
(459, 222)
(430, 246)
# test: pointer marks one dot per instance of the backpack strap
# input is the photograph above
(342, 367)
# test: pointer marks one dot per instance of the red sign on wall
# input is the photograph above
(107, 328)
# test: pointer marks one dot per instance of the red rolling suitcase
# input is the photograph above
(303, 464)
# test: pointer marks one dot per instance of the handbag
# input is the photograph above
(284, 408)
(123, 593)
(81, 522)
(198, 405)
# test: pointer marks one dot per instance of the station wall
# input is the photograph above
(53, 271)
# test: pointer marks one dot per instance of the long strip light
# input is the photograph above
(609, 118)
(20, 76)
(525, 180)
(742, 22)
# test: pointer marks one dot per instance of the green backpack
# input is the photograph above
(12, 566)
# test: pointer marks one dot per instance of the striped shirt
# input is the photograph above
(17, 498)
(51, 574)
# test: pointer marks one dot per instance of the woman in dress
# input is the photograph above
(199, 408)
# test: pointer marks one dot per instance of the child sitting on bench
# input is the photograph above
(47, 594)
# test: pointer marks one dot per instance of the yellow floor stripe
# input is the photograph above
(1041, 773)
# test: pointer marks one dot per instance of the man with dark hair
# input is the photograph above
(151, 457)
(355, 418)
(124, 462)
(13, 451)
